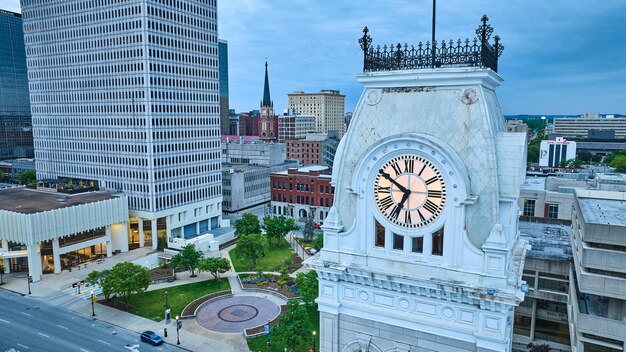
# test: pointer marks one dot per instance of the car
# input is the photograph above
(151, 337)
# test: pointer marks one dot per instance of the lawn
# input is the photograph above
(273, 260)
(151, 304)
(259, 343)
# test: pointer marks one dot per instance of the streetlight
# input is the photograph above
(29, 279)
(178, 324)
(93, 300)
(314, 341)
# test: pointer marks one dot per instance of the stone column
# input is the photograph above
(153, 226)
(56, 256)
(34, 261)
(109, 242)
(5, 248)
(168, 229)
(142, 240)
(533, 319)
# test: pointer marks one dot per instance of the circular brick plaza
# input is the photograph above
(237, 313)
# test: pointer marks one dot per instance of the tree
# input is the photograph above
(533, 153)
(27, 177)
(251, 247)
(277, 227)
(619, 163)
(609, 158)
(292, 324)
(248, 224)
(308, 232)
(125, 279)
(215, 266)
(318, 240)
(307, 287)
(188, 258)
(584, 155)
(97, 278)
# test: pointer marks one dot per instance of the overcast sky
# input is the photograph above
(560, 57)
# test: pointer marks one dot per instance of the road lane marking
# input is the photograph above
(30, 315)
(8, 322)
(19, 344)
(43, 335)
(84, 350)
(61, 326)
(104, 342)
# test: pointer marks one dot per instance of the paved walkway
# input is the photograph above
(237, 313)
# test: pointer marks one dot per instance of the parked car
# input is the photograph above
(151, 337)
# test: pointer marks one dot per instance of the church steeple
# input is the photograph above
(267, 101)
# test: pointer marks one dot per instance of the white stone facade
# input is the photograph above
(461, 296)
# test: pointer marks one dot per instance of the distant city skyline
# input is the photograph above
(559, 58)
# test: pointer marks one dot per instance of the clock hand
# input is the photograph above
(405, 196)
(400, 187)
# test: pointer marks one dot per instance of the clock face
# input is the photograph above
(409, 191)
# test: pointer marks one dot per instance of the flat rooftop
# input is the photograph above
(29, 201)
(603, 211)
(548, 241)
(534, 183)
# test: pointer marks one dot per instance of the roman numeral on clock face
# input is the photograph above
(409, 165)
(383, 190)
(386, 203)
(434, 194)
(407, 217)
(430, 206)
(396, 168)
(431, 180)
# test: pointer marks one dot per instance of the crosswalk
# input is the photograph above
(85, 291)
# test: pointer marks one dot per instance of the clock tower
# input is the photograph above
(421, 248)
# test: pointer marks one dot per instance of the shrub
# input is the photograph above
(281, 282)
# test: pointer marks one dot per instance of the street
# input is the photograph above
(28, 324)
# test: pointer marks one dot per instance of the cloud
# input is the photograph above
(572, 53)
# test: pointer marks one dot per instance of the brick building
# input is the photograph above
(302, 192)
(308, 152)
(248, 124)
(316, 149)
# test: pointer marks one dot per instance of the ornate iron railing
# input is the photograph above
(477, 52)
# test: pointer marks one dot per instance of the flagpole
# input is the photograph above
(432, 43)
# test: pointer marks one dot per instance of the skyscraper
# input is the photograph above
(16, 136)
(224, 103)
(126, 94)
(327, 105)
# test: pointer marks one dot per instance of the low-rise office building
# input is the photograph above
(549, 199)
(246, 185)
(44, 231)
(597, 288)
(542, 317)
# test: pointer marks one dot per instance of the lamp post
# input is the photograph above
(166, 304)
(93, 301)
(314, 341)
(28, 279)
(177, 329)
